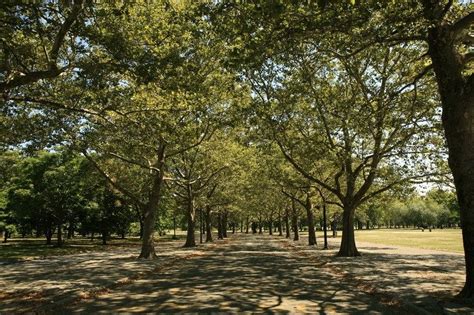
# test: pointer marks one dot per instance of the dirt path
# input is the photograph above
(245, 273)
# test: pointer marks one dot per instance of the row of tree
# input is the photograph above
(247, 106)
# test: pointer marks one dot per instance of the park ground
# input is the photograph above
(257, 273)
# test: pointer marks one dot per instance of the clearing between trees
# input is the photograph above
(246, 272)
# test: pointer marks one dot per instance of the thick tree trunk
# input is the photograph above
(191, 218)
(208, 224)
(310, 218)
(49, 235)
(457, 98)
(149, 213)
(348, 247)
(270, 227)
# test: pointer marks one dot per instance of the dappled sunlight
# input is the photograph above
(255, 273)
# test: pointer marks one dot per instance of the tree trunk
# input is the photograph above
(280, 224)
(201, 227)
(224, 224)
(60, 235)
(220, 235)
(191, 217)
(247, 226)
(149, 213)
(70, 231)
(270, 227)
(325, 226)
(5, 237)
(295, 221)
(208, 224)
(310, 218)
(49, 235)
(104, 237)
(348, 247)
(457, 98)
(287, 223)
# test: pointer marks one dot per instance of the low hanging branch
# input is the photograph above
(53, 70)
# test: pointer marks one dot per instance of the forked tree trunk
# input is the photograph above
(208, 224)
(348, 247)
(310, 218)
(457, 98)
(150, 209)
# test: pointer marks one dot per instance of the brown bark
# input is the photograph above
(150, 209)
(348, 247)
(191, 218)
(287, 223)
(457, 97)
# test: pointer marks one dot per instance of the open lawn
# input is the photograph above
(449, 240)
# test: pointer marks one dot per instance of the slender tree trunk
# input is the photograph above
(270, 227)
(280, 224)
(60, 235)
(220, 235)
(104, 237)
(150, 209)
(208, 224)
(325, 226)
(295, 221)
(5, 236)
(201, 227)
(287, 223)
(224, 224)
(310, 218)
(348, 246)
(457, 98)
(70, 231)
(247, 226)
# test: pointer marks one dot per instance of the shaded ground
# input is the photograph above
(244, 273)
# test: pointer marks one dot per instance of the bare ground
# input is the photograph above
(255, 273)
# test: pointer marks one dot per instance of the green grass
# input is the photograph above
(449, 240)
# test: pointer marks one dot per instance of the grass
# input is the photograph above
(29, 248)
(449, 240)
